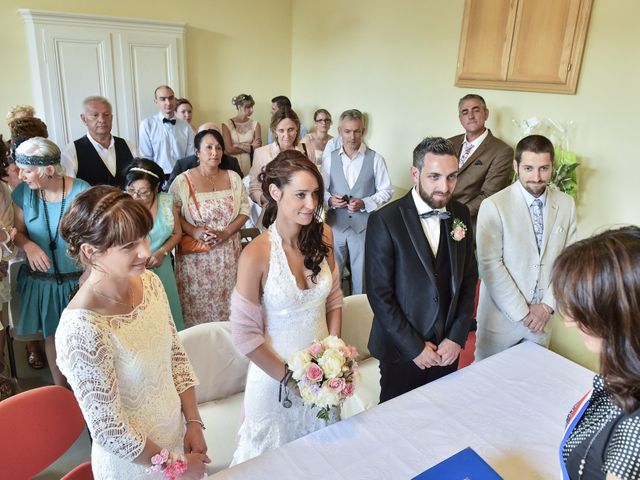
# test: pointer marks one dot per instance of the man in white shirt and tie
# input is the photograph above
(521, 231)
(164, 138)
(98, 158)
(484, 160)
(356, 182)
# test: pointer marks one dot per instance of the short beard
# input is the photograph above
(429, 200)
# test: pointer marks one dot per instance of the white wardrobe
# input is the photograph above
(74, 56)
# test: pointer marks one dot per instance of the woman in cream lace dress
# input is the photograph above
(287, 296)
(118, 346)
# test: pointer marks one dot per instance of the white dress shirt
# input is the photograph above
(431, 225)
(352, 168)
(333, 144)
(165, 143)
(69, 156)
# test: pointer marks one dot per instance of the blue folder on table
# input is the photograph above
(464, 465)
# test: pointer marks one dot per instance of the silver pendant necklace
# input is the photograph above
(128, 305)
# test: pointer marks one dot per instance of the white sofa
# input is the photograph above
(222, 372)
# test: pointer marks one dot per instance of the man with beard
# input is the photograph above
(421, 275)
(521, 231)
(356, 182)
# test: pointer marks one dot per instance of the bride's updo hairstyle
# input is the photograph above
(103, 217)
(311, 239)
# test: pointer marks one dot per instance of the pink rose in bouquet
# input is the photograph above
(348, 390)
(336, 385)
(316, 349)
(314, 373)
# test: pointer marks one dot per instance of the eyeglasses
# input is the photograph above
(323, 120)
(138, 193)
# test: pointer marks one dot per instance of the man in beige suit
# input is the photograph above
(521, 231)
(484, 161)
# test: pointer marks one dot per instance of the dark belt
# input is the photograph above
(54, 276)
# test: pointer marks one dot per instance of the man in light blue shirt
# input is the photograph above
(164, 138)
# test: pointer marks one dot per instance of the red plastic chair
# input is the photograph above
(38, 427)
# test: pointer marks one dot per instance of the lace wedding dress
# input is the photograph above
(127, 372)
(294, 318)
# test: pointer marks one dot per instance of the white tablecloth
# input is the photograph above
(510, 408)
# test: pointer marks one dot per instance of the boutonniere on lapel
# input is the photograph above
(458, 230)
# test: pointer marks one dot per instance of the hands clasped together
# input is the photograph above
(195, 452)
(440, 355)
(537, 318)
(352, 204)
(210, 236)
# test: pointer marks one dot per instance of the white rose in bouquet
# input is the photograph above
(298, 363)
(333, 342)
(331, 362)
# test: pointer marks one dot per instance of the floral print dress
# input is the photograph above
(206, 280)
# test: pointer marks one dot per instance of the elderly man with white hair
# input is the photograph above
(98, 157)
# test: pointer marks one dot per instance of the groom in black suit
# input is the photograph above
(421, 275)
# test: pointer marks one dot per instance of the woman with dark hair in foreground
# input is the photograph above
(597, 288)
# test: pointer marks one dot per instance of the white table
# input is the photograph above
(510, 408)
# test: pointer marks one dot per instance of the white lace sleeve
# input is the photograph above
(85, 357)
(183, 375)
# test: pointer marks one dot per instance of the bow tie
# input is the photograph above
(442, 215)
(172, 121)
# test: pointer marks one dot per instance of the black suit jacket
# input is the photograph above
(228, 163)
(401, 284)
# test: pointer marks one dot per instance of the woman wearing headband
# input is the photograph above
(143, 180)
(49, 275)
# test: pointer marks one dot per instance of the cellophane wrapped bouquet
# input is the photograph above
(564, 176)
(326, 373)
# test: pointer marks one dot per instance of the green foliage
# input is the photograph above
(564, 175)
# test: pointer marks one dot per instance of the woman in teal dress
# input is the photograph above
(49, 276)
(143, 180)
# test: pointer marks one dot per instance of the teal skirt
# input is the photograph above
(168, 279)
(42, 301)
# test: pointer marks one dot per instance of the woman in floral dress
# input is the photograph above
(213, 207)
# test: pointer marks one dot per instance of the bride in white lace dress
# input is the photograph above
(118, 346)
(287, 295)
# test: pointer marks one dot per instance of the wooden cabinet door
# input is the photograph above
(485, 44)
(530, 45)
(543, 40)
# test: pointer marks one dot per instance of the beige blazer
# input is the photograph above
(509, 263)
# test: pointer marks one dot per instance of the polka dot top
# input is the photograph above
(616, 446)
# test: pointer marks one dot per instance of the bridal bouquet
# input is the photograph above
(326, 373)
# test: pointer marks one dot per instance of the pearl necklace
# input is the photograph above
(583, 460)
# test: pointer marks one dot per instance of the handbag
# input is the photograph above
(188, 244)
